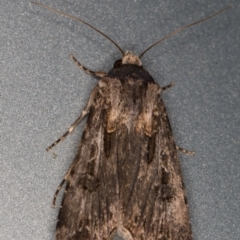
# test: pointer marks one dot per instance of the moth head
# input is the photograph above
(128, 58)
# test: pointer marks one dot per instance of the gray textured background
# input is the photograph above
(43, 92)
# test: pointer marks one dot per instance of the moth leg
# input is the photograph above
(185, 151)
(79, 119)
(167, 87)
(97, 74)
(56, 193)
(61, 184)
(73, 126)
(66, 178)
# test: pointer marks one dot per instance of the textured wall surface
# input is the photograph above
(43, 92)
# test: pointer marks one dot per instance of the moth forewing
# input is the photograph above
(126, 176)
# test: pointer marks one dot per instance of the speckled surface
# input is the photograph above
(43, 92)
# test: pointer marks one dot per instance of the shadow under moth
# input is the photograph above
(125, 179)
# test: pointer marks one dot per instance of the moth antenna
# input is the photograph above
(80, 20)
(181, 29)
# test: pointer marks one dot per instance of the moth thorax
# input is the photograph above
(130, 58)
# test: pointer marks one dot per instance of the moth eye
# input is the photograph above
(118, 63)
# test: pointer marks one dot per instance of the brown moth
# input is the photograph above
(125, 179)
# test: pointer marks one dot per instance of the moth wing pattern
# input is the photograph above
(126, 177)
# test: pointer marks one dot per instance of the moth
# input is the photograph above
(125, 179)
